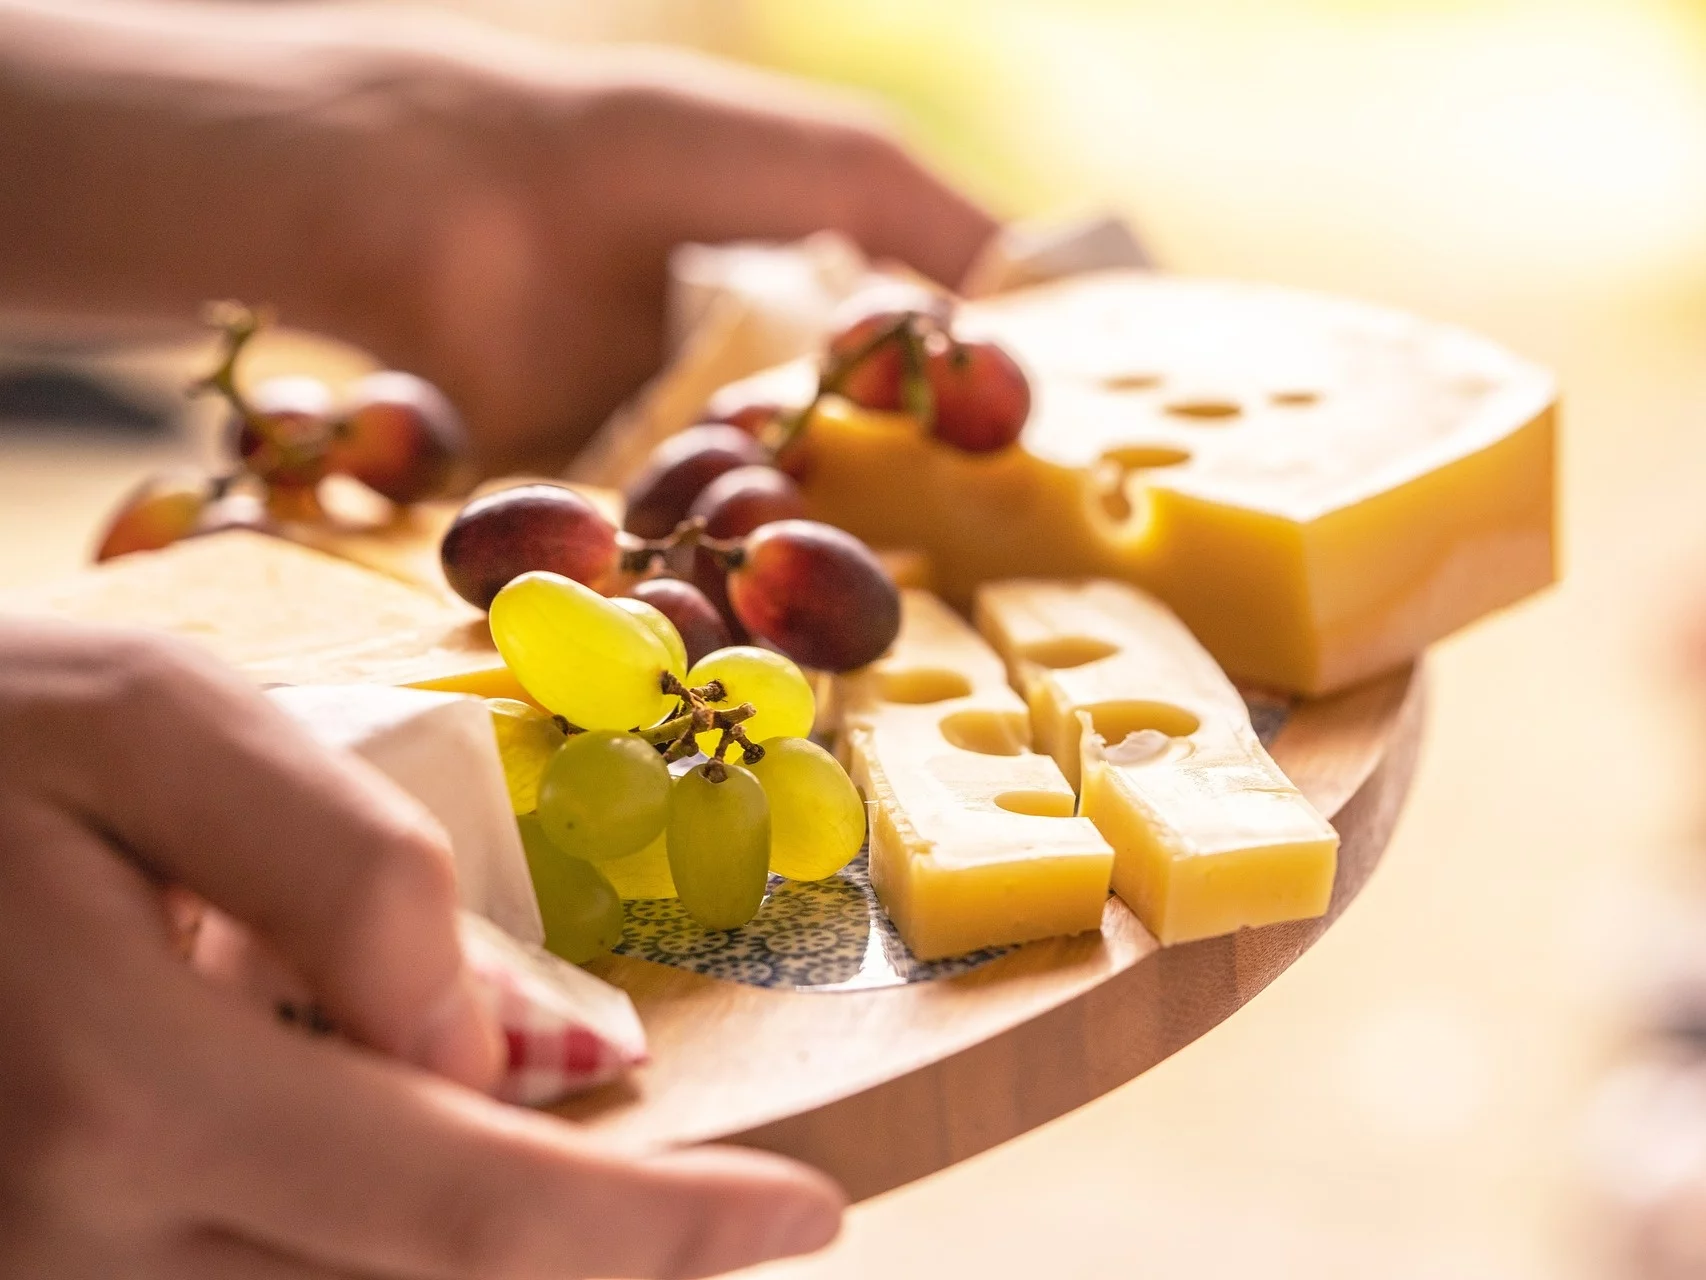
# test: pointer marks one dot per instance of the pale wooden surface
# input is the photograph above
(882, 1087)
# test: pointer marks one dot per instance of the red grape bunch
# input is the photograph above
(706, 499)
(895, 351)
(392, 431)
(810, 591)
(970, 395)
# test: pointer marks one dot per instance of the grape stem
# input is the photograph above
(911, 328)
(677, 737)
(639, 555)
(237, 325)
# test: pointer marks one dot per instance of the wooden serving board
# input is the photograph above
(879, 1087)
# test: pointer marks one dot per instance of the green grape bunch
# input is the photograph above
(588, 769)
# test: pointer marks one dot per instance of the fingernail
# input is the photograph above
(460, 1039)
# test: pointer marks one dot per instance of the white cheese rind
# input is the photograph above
(438, 747)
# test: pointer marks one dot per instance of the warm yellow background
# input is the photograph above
(1409, 1102)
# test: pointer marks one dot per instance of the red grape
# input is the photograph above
(734, 504)
(738, 501)
(761, 419)
(695, 617)
(817, 594)
(294, 503)
(870, 375)
(285, 439)
(499, 537)
(711, 579)
(678, 469)
(981, 395)
(400, 437)
(738, 408)
(155, 514)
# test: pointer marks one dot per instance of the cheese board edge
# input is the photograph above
(882, 1087)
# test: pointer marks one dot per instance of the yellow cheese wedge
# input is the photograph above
(973, 838)
(286, 615)
(1319, 488)
(1208, 834)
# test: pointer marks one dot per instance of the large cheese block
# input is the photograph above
(974, 840)
(285, 615)
(439, 747)
(1319, 488)
(1209, 836)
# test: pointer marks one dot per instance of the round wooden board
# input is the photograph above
(883, 1086)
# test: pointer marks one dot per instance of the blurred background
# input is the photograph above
(1425, 1095)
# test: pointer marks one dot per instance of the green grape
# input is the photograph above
(644, 874)
(719, 846)
(583, 915)
(604, 795)
(817, 820)
(660, 626)
(580, 654)
(527, 739)
(769, 681)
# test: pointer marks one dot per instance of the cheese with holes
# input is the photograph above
(973, 838)
(439, 747)
(285, 615)
(1209, 836)
(1319, 488)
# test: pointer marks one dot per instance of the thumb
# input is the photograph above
(212, 787)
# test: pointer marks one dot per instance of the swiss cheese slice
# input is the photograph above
(974, 840)
(1209, 836)
(1318, 487)
(285, 615)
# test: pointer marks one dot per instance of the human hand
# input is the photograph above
(516, 207)
(154, 1124)
(490, 212)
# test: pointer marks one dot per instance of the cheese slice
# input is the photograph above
(1319, 488)
(973, 838)
(439, 747)
(1209, 836)
(285, 615)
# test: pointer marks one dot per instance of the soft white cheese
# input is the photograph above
(438, 747)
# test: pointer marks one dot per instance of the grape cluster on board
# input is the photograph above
(392, 431)
(589, 769)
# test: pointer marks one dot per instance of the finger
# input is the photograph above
(360, 1162)
(911, 214)
(211, 786)
(844, 178)
(219, 1257)
(764, 160)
